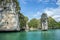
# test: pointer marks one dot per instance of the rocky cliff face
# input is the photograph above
(44, 21)
(8, 16)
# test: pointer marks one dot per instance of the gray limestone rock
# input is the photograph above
(9, 17)
(44, 22)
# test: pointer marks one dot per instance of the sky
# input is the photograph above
(35, 8)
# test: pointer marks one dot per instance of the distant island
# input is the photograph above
(35, 24)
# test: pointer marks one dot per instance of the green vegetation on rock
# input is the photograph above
(33, 23)
(23, 20)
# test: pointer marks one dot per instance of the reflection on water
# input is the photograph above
(32, 35)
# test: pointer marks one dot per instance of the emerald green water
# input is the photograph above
(32, 35)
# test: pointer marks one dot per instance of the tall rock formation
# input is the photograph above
(9, 20)
(44, 21)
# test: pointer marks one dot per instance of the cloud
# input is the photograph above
(54, 13)
(37, 15)
(39, 0)
(49, 12)
(24, 1)
(44, 1)
(58, 2)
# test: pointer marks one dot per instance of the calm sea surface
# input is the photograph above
(32, 35)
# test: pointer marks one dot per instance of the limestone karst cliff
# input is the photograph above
(9, 15)
(44, 21)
